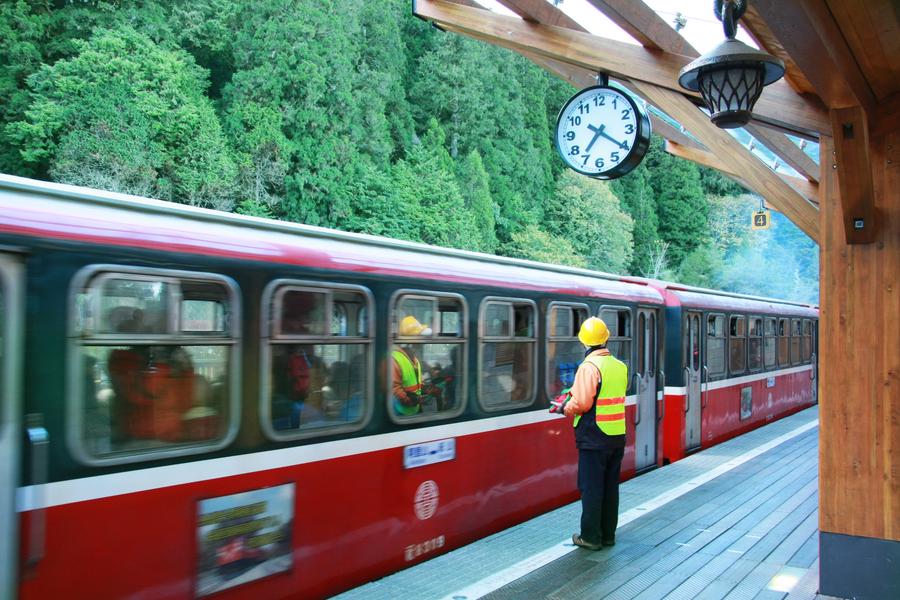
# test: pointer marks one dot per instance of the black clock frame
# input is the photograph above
(638, 149)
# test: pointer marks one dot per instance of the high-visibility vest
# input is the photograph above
(610, 413)
(410, 380)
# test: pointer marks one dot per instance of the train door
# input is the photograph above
(645, 390)
(10, 355)
(692, 381)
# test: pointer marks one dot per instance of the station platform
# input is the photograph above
(736, 521)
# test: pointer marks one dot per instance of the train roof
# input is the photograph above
(697, 297)
(50, 210)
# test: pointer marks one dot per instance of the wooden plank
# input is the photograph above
(785, 149)
(854, 174)
(809, 190)
(812, 38)
(759, 177)
(761, 33)
(541, 11)
(778, 105)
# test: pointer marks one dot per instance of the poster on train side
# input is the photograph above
(243, 537)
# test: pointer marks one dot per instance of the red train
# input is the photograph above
(198, 403)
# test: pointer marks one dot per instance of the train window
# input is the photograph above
(755, 352)
(769, 343)
(507, 354)
(737, 345)
(806, 341)
(316, 359)
(157, 360)
(564, 351)
(795, 341)
(652, 345)
(618, 320)
(784, 343)
(427, 378)
(641, 344)
(715, 344)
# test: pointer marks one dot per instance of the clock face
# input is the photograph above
(602, 132)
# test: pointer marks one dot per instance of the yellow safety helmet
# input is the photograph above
(593, 332)
(409, 325)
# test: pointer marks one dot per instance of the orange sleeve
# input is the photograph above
(584, 390)
(397, 381)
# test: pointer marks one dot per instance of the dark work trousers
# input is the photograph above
(598, 482)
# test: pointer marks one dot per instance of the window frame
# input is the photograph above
(484, 339)
(806, 351)
(717, 375)
(799, 338)
(462, 340)
(271, 298)
(93, 277)
(632, 351)
(548, 338)
(779, 337)
(745, 339)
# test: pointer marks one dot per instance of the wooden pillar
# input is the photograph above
(859, 395)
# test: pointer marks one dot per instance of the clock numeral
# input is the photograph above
(584, 108)
(599, 100)
(585, 158)
(574, 150)
(614, 157)
(624, 146)
(615, 102)
(629, 129)
(570, 135)
(576, 120)
(599, 163)
(626, 114)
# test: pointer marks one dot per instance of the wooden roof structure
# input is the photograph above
(841, 89)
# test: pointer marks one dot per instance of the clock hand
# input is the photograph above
(597, 133)
(621, 145)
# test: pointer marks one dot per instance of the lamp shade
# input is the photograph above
(730, 79)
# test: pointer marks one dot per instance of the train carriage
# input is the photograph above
(202, 402)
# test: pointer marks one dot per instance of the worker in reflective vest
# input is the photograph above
(598, 404)
(407, 371)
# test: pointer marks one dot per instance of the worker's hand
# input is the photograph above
(558, 404)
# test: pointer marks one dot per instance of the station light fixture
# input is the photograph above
(731, 77)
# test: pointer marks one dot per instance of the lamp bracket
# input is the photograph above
(730, 12)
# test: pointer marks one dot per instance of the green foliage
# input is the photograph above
(533, 243)
(585, 212)
(637, 197)
(474, 184)
(681, 205)
(120, 93)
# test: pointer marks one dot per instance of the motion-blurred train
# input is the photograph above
(196, 403)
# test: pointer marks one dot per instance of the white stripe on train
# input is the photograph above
(724, 383)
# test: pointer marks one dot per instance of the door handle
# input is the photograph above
(704, 387)
(637, 398)
(687, 385)
(662, 380)
(38, 451)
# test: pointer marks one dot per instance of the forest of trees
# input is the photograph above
(356, 115)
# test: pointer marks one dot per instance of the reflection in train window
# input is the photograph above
(426, 376)
(784, 343)
(618, 321)
(715, 344)
(769, 342)
(806, 341)
(737, 345)
(508, 353)
(755, 353)
(564, 350)
(157, 362)
(795, 341)
(317, 362)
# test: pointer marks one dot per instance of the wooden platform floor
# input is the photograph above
(748, 531)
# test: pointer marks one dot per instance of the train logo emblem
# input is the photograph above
(426, 500)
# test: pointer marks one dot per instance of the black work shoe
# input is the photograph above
(576, 539)
(611, 542)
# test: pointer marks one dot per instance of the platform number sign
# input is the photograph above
(761, 220)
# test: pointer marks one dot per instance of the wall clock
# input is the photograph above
(602, 132)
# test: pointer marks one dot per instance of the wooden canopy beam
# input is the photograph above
(778, 105)
(854, 174)
(706, 158)
(644, 25)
